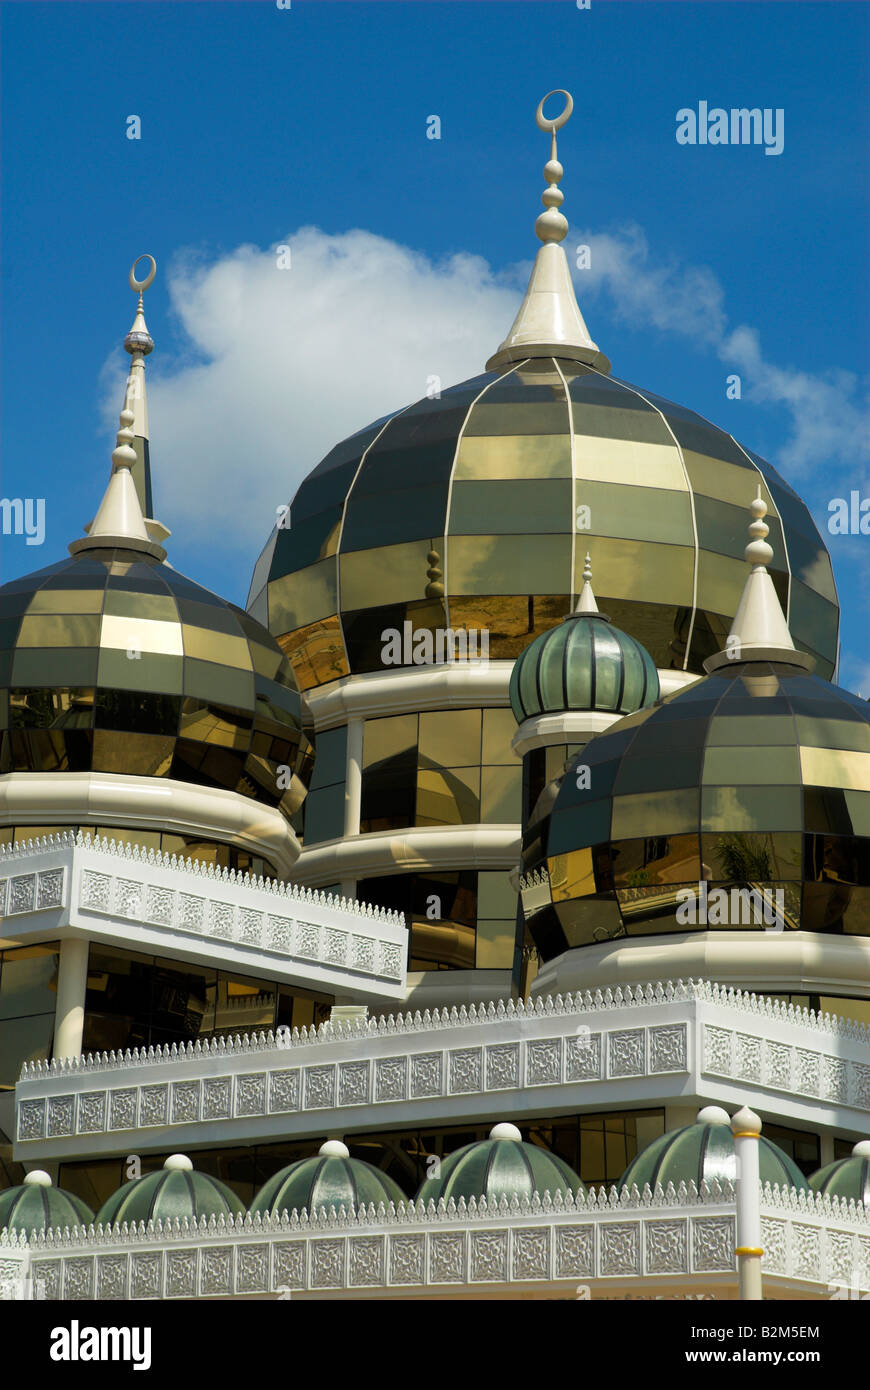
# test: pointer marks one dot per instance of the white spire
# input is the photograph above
(549, 322)
(586, 602)
(119, 521)
(759, 630)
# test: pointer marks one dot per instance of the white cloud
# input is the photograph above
(828, 414)
(282, 364)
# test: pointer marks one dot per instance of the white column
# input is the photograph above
(72, 982)
(746, 1128)
(352, 790)
(826, 1150)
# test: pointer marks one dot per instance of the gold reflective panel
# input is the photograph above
(298, 599)
(209, 725)
(727, 482)
(435, 944)
(775, 766)
(588, 921)
(539, 504)
(448, 797)
(835, 767)
(66, 601)
(125, 603)
(499, 727)
(720, 582)
(63, 630)
(572, 875)
(496, 942)
(450, 738)
(513, 456)
(858, 807)
(125, 670)
(496, 896)
(669, 812)
(637, 570)
(512, 621)
(142, 635)
(627, 461)
(387, 575)
(139, 755)
(501, 795)
(203, 644)
(751, 808)
(389, 738)
(316, 653)
(833, 733)
(509, 564)
(746, 858)
(639, 513)
(659, 859)
(733, 730)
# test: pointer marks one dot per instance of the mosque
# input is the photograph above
(360, 943)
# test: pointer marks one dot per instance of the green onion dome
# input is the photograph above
(37, 1206)
(704, 1151)
(584, 663)
(848, 1178)
(330, 1179)
(500, 1166)
(175, 1191)
(111, 661)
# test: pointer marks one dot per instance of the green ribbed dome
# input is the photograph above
(704, 1151)
(37, 1206)
(174, 1191)
(331, 1179)
(848, 1178)
(500, 1166)
(585, 663)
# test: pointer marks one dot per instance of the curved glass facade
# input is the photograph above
(509, 480)
(754, 780)
(113, 662)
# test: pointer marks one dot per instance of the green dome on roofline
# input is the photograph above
(37, 1206)
(704, 1151)
(848, 1178)
(331, 1179)
(500, 1166)
(583, 664)
(174, 1191)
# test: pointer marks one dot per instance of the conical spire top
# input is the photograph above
(759, 631)
(549, 323)
(120, 520)
(586, 602)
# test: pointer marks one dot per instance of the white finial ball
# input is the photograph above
(713, 1115)
(506, 1131)
(862, 1149)
(37, 1178)
(178, 1163)
(745, 1121)
(553, 171)
(333, 1148)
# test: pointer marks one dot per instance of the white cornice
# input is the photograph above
(406, 851)
(148, 803)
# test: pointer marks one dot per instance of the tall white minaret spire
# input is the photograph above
(549, 323)
(759, 631)
(120, 520)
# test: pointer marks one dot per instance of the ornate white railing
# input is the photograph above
(119, 893)
(590, 1245)
(643, 1045)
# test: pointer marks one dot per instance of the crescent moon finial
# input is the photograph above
(139, 286)
(552, 225)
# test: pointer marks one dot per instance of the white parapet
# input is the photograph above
(670, 1243)
(683, 1043)
(72, 886)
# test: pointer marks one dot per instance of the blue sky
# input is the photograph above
(259, 122)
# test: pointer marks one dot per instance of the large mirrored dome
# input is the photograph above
(510, 478)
